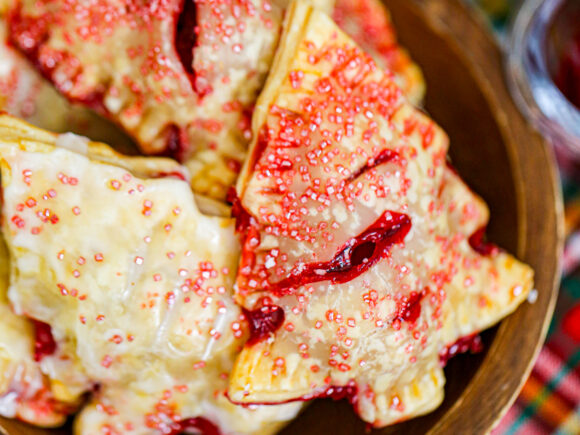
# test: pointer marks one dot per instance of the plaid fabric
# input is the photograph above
(550, 400)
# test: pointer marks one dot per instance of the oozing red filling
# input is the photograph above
(383, 157)
(173, 174)
(260, 147)
(244, 219)
(478, 243)
(470, 343)
(263, 322)
(410, 308)
(44, 344)
(186, 33)
(197, 425)
(174, 144)
(356, 257)
(186, 37)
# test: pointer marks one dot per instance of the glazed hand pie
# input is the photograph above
(133, 282)
(363, 258)
(180, 76)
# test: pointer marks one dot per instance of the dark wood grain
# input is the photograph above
(510, 166)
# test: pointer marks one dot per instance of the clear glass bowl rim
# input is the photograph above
(529, 79)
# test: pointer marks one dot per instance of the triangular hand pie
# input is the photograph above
(362, 259)
(113, 254)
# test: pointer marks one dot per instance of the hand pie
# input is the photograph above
(369, 24)
(180, 88)
(362, 260)
(134, 282)
(180, 77)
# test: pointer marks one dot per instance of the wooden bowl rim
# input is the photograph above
(436, 15)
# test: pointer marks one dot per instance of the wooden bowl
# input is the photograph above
(512, 168)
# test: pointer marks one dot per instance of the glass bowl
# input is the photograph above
(544, 38)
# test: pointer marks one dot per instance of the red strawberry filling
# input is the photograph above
(196, 425)
(185, 41)
(410, 307)
(357, 256)
(383, 157)
(44, 344)
(244, 219)
(470, 343)
(480, 245)
(175, 144)
(263, 322)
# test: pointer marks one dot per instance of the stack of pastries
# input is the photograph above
(289, 228)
